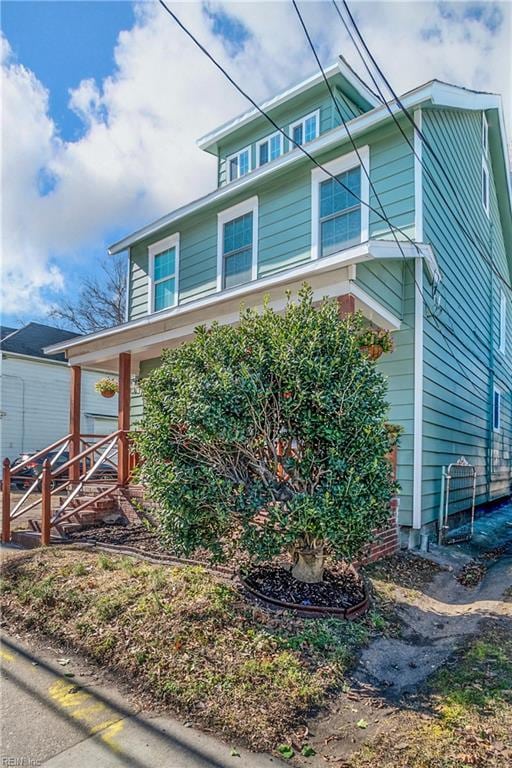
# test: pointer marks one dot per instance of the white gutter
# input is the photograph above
(438, 93)
(373, 249)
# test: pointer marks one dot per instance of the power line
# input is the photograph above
(482, 248)
(407, 264)
(276, 126)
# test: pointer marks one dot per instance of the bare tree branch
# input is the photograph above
(101, 302)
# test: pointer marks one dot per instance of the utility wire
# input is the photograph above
(482, 248)
(276, 126)
(366, 171)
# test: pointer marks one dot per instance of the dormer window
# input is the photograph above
(304, 130)
(239, 164)
(269, 148)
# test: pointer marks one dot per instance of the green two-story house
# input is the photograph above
(411, 227)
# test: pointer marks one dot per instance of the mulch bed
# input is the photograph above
(342, 589)
(133, 535)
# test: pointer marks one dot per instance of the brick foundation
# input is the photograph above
(386, 541)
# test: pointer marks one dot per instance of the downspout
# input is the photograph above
(418, 331)
(490, 418)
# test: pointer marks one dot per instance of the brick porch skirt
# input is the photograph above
(385, 543)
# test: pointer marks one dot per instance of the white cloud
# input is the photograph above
(137, 158)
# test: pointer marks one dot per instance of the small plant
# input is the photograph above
(394, 433)
(107, 386)
(375, 341)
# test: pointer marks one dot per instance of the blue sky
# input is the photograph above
(103, 102)
(63, 43)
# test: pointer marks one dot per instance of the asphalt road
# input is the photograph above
(58, 711)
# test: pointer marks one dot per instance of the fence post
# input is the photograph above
(6, 501)
(46, 503)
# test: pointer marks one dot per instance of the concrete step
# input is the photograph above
(32, 539)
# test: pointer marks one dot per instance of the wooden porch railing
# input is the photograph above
(94, 453)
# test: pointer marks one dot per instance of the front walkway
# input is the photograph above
(57, 711)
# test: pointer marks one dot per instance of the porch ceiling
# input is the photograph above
(146, 337)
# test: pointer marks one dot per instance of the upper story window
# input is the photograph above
(269, 149)
(496, 410)
(339, 217)
(163, 273)
(237, 244)
(306, 129)
(485, 185)
(503, 323)
(485, 134)
(239, 164)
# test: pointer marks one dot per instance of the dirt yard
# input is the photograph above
(425, 681)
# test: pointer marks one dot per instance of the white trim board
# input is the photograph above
(173, 241)
(372, 249)
(234, 212)
(335, 167)
(417, 481)
(153, 344)
(438, 93)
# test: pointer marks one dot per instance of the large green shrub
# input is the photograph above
(269, 436)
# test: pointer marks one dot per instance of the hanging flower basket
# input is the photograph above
(107, 387)
(373, 342)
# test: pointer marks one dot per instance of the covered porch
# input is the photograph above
(126, 349)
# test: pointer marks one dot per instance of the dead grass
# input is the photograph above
(465, 715)
(185, 639)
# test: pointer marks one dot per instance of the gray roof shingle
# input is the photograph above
(31, 339)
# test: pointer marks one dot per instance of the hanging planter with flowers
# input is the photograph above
(107, 387)
(374, 342)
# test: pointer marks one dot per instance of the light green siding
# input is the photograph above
(398, 367)
(460, 353)
(284, 240)
(284, 116)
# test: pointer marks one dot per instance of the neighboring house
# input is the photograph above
(34, 392)
(276, 220)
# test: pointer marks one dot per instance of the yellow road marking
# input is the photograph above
(84, 707)
(6, 656)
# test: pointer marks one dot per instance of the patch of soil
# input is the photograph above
(341, 589)
(133, 535)
(404, 569)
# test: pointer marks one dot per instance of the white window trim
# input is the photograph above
(485, 134)
(487, 183)
(496, 391)
(302, 121)
(503, 323)
(237, 154)
(335, 167)
(173, 241)
(266, 140)
(234, 212)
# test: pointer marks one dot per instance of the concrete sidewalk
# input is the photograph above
(57, 712)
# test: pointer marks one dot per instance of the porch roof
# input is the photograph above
(147, 336)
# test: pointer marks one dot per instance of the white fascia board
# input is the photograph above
(447, 96)
(358, 253)
(155, 341)
(208, 141)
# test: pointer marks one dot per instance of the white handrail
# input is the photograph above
(38, 478)
(86, 477)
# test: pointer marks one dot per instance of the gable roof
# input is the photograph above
(352, 86)
(32, 338)
(5, 330)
